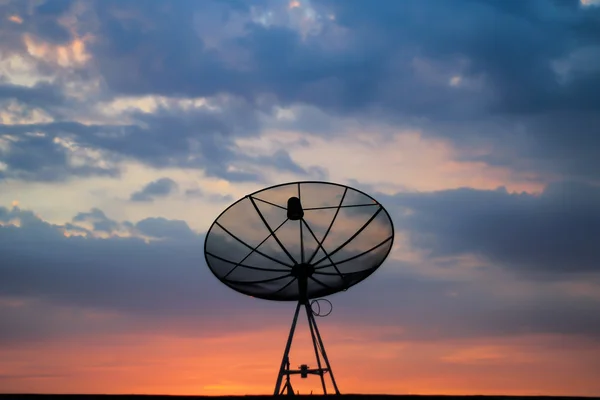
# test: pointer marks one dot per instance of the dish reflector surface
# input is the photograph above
(341, 234)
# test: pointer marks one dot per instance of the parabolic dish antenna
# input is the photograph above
(297, 242)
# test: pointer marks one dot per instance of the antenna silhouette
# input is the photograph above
(299, 241)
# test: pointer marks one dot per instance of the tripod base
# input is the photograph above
(304, 370)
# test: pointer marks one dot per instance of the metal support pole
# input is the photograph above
(318, 347)
(314, 341)
(322, 347)
(288, 385)
(287, 351)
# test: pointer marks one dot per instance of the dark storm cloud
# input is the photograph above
(45, 21)
(41, 94)
(548, 236)
(511, 45)
(199, 138)
(37, 18)
(195, 139)
(529, 73)
(159, 188)
(176, 49)
(37, 156)
(274, 60)
(529, 70)
(537, 65)
(166, 285)
(171, 135)
(513, 50)
(168, 137)
(54, 7)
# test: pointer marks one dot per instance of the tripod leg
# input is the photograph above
(314, 341)
(287, 351)
(322, 347)
(287, 388)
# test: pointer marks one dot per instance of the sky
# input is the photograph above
(128, 126)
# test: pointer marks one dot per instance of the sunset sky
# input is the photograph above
(127, 126)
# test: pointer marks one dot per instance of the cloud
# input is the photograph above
(528, 100)
(100, 222)
(151, 276)
(41, 94)
(551, 235)
(366, 60)
(163, 228)
(41, 19)
(204, 139)
(74, 263)
(43, 152)
(128, 282)
(159, 188)
(212, 197)
(488, 304)
(513, 84)
(504, 96)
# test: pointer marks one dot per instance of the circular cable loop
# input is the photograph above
(318, 312)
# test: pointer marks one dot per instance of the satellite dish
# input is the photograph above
(299, 241)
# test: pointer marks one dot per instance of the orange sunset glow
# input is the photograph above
(246, 363)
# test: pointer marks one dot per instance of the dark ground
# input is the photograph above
(344, 397)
